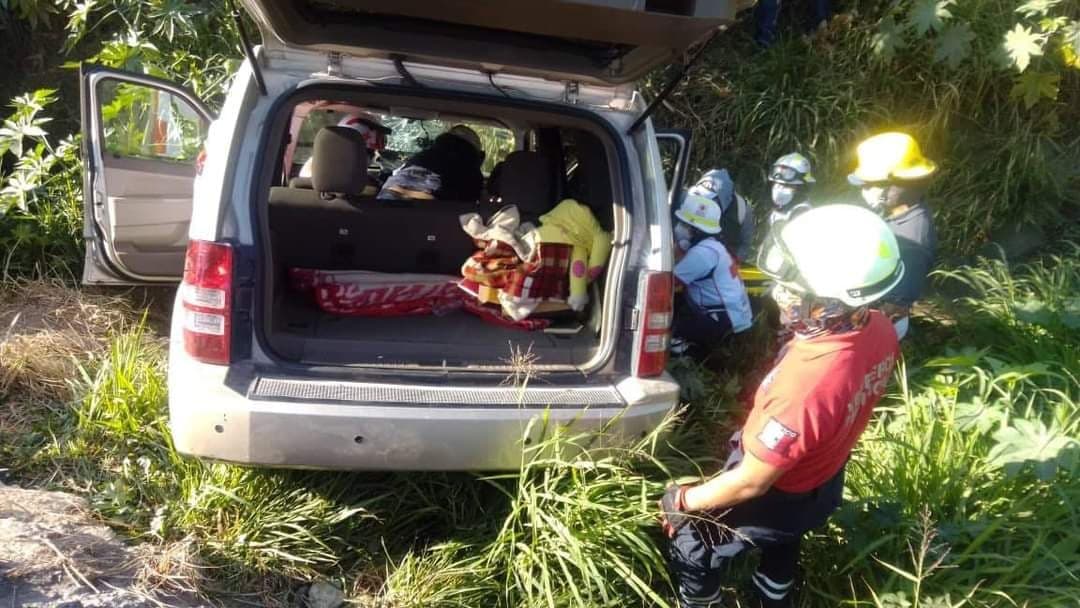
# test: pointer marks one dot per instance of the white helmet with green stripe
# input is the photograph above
(701, 213)
(843, 252)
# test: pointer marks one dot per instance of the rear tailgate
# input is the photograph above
(298, 421)
(593, 41)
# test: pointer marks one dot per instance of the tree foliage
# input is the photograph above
(36, 13)
(1043, 35)
(1006, 140)
(190, 42)
(929, 15)
(954, 45)
(40, 215)
(193, 43)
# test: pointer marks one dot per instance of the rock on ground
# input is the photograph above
(53, 554)
(324, 595)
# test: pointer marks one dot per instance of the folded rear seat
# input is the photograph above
(331, 228)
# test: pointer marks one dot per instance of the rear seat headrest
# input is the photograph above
(339, 162)
(526, 179)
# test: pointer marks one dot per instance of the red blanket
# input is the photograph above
(359, 293)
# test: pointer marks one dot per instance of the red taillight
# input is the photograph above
(652, 351)
(206, 294)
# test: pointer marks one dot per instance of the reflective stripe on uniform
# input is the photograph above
(689, 601)
(741, 207)
(701, 220)
(770, 588)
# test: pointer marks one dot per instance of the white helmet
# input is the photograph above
(843, 252)
(701, 213)
(792, 169)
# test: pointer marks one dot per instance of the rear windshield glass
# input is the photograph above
(445, 153)
(403, 136)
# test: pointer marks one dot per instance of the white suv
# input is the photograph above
(259, 374)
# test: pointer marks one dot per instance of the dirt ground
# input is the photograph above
(54, 554)
(47, 328)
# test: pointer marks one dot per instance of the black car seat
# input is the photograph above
(330, 227)
(309, 228)
(591, 182)
(525, 179)
(374, 170)
(339, 165)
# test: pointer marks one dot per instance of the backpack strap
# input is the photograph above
(741, 207)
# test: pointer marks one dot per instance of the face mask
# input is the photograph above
(874, 197)
(782, 195)
(683, 236)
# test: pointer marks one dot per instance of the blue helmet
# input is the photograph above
(717, 185)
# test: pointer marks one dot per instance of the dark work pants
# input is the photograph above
(767, 14)
(697, 325)
(774, 522)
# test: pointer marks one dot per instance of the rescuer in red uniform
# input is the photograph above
(785, 474)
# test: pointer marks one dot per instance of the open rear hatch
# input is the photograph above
(596, 41)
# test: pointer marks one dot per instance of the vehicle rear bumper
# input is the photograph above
(210, 420)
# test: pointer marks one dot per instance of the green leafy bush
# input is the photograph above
(36, 13)
(982, 438)
(40, 195)
(40, 186)
(193, 43)
(989, 87)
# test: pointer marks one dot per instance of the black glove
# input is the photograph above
(672, 510)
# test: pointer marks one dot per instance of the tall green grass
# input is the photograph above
(574, 526)
(962, 492)
(580, 531)
(1033, 315)
(984, 438)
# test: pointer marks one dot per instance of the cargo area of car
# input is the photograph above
(454, 339)
(326, 252)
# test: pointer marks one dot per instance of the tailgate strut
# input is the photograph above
(675, 81)
(248, 50)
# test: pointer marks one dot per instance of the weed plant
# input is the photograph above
(962, 492)
(40, 195)
(1002, 163)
